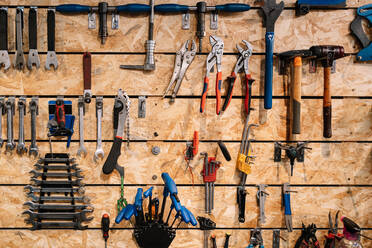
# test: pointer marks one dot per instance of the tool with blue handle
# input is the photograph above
(256, 239)
(103, 9)
(271, 12)
(287, 206)
(126, 213)
(357, 29)
(303, 6)
(201, 8)
(138, 204)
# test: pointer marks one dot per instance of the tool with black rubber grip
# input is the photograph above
(105, 227)
(51, 59)
(33, 56)
(4, 56)
(87, 71)
(19, 59)
(224, 150)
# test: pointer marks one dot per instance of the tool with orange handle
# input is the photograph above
(214, 58)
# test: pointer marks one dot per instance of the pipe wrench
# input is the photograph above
(33, 56)
(19, 60)
(4, 56)
(51, 59)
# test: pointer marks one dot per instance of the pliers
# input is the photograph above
(256, 239)
(214, 57)
(332, 232)
(184, 57)
(241, 65)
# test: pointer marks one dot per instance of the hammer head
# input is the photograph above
(286, 57)
(327, 54)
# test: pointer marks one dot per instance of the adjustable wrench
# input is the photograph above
(21, 147)
(19, 60)
(4, 56)
(33, 56)
(82, 150)
(51, 55)
(99, 153)
(34, 109)
(9, 105)
(2, 111)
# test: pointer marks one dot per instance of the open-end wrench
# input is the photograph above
(34, 109)
(87, 75)
(33, 56)
(35, 198)
(69, 183)
(31, 189)
(34, 205)
(2, 111)
(4, 56)
(21, 147)
(36, 225)
(54, 160)
(9, 105)
(19, 59)
(81, 216)
(36, 174)
(51, 59)
(82, 150)
(99, 153)
(56, 167)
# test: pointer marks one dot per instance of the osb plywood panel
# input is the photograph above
(347, 81)
(333, 163)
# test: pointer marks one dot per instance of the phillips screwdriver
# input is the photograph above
(105, 226)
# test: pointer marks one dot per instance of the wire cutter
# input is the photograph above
(214, 57)
(241, 66)
(184, 57)
(332, 232)
(256, 239)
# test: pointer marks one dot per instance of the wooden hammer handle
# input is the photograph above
(296, 95)
(327, 104)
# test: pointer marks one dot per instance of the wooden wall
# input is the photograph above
(336, 175)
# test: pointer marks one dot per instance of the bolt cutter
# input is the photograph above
(241, 65)
(214, 57)
(256, 239)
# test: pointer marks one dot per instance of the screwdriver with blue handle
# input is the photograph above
(103, 9)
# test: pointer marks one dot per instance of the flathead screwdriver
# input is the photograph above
(105, 226)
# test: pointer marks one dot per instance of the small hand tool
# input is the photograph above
(214, 58)
(141, 106)
(21, 147)
(36, 174)
(227, 238)
(201, 8)
(241, 66)
(224, 150)
(87, 71)
(148, 194)
(4, 56)
(213, 238)
(10, 111)
(76, 182)
(31, 189)
(333, 234)
(2, 112)
(149, 45)
(276, 238)
(287, 206)
(103, 9)
(81, 216)
(271, 12)
(261, 197)
(19, 59)
(292, 152)
(105, 227)
(34, 109)
(206, 225)
(37, 225)
(303, 6)
(40, 166)
(82, 199)
(327, 55)
(191, 151)
(52, 207)
(82, 151)
(357, 29)
(33, 56)
(256, 239)
(184, 58)
(51, 59)
(99, 153)
(308, 237)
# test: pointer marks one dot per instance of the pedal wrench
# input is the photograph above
(87, 74)
(21, 147)
(2, 111)
(35, 198)
(99, 153)
(34, 109)
(82, 150)
(10, 144)
(51, 59)
(33, 56)
(4, 56)
(19, 60)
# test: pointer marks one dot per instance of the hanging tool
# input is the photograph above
(105, 227)
(292, 152)
(241, 66)
(148, 193)
(227, 238)
(2, 112)
(51, 59)
(141, 106)
(82, 151)
(184, 58)
(276, 238)
(201, 8)
(303, 6)
(271, 12)
(170, 188)
(33, 56)
(19, 59)
(87, 75)
(357, 29)
(149, 45)
(103, 9)
(287, 206)
(224, 150)
(308, 238)
(214, 58)
(21, 147)
(256, 239)
(333, 236)
(352, 234)
(206, 225)
(261, 197)
(213, 238)
(99, 153)
(10, 111)
(191, 151)
(4, 56)
(327, 56)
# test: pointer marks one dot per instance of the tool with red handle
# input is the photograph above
(105, 226)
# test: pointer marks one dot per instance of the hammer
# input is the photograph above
(327, 55)
(285, 60)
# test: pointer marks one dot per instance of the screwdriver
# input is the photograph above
(105, 226)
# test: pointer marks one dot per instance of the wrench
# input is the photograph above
(9, 105)
(99, 153)
(35, 198)
(62, 184)
(33, 56)
(4, 56)
(82, 150)
(32, 189)
(34, 205)
(51, 54)
(56, 167)
(2, 111)
(56, 174)
(81, 216)
(36, 225)
(19, 60)
(261, 197)
(21, 147)
(34, 109)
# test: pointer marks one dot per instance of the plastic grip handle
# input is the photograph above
(138, 199)
(192, 218)
(231, 82)
(185, 215)
(218, 92)
(120, 216)
(51, 23)
(87, 70)
(233, 7)
(148, 192)
(169, 183)
(72, 8)
(327, 104)
(177, 205)
(269, 40)
(224, 150)
(204, 94)
(133, 7)
(32, 28)
(174, 8)
(3, 29)
(321, 2)
(112, 158)
(130, 211)
(248, 93)
(287, 204)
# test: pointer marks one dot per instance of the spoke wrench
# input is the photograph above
(21, 147)
(34, 109)
(9, 105)
(99, 153)
(82, 150)
(51, 59)
(19, 60)
(4, 56)
(33, 56)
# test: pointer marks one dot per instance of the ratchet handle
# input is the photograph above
(72, 8)
(218, 92)
(231, 82)
(3, 29)
(269, 39)
(248, 93)
(204, 94)
(112, 158)
(287, 204)
(233, 7)
(133, 7)
(171, 8)
(32, 28)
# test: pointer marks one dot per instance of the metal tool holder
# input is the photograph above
(293, 153)
(57, 196)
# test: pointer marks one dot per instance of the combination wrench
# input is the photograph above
(99, 153)
(9, 105)
(19, 60)
(21, 147)
(2, 111)
(4, 56)
(34, 109)
(81, 107)
(33, 56)
(51, 59)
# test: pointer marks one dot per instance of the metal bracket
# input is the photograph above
(186, 21)
(115, 20)
(141, 106)
(214, 20)
(277, 153)
(91, 20)
(333, 68)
